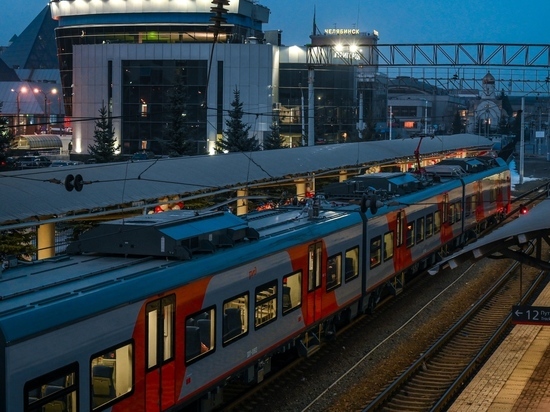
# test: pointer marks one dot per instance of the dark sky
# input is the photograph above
(397, 21)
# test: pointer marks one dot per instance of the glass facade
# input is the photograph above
(145, 86)
(337, 104)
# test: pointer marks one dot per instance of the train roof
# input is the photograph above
(388, 185)
(38, 296)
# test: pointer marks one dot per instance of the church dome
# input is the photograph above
(488, 79)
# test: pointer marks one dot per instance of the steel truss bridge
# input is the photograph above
(522, 69)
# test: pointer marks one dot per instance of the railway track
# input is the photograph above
(274, 385)
(437, 376)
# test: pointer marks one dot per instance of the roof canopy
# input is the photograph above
(38, 141)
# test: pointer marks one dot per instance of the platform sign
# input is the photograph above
(531, 315)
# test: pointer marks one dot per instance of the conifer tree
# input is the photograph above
(457, 123)
(274, 140)
(105, 144)
(235, 136)
(6, 135)
(177, 139)
(17, 242)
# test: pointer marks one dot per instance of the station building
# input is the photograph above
(124, 56)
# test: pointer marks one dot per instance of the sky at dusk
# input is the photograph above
(397, 21)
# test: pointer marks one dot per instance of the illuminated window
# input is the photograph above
(143, 108)
(351, 268)
(388, 246)
(54, 391)
(112, 375)
(265, 309)
(235, 315)
(429, 225)
(334, 271)
(410, 234)
(437, 221)
(292, 292)
(375, 251)
(419, 230)
(199, 334)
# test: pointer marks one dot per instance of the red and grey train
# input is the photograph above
(158, 312)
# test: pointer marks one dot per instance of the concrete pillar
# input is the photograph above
(301, 189)
(242, 204)
(343, 176)
(45, 240)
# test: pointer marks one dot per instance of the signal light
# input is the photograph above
(523, 209)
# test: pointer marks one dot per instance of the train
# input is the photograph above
(158, 312)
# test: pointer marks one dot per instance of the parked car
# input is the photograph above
(32, 162)
(6, 163)
(61, 163)
(142, 156)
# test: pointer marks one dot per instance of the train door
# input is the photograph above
(160, 374)
(314, 290)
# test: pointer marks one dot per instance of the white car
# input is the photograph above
(61, 163)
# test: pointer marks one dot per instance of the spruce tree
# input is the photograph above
(274, 140)
(235, 136)
(457, 123)
(105, 144)
(17, 242)
(177, 139)
(6, 135)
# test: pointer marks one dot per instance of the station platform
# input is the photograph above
(517, 376)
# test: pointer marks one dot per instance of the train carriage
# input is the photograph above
(158, 312)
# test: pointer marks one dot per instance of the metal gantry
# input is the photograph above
(521, 68)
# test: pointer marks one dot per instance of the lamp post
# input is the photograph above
(45, 93)
(18, 119)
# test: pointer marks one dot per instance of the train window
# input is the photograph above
(334, 271)
(55, 391)
(474, 203)
(451, 214)
(292, 291)
(445, 208)
(399, 229)
(375, 251)
(112, 374)
(160, 323)
(409, 240)
(388, 246)
(351, 264)
(458, 212)
(314, 266)
(419, 230)
(468, 206)
(199, 333)
(265, 308)
(429, 224)
(235, 318)
(437, 221)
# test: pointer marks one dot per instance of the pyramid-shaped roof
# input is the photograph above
(35, 48)
(7, 74)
